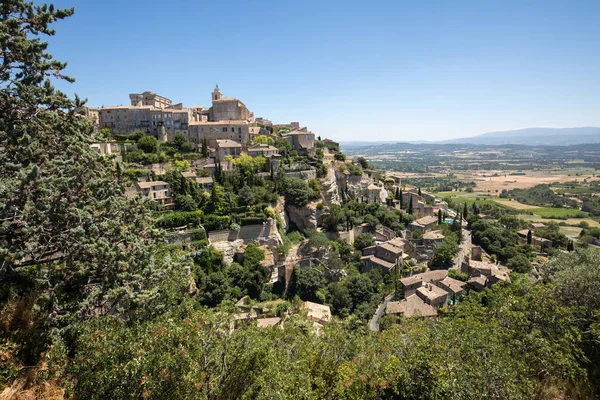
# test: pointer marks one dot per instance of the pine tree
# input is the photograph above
(63, 208)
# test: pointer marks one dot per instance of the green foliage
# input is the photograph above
(363, 240)
(148, 144)
(264, 139)
(446, 251)
(308, 282)
(297, 192)
(539, 195)
(520, 263)
(178, 219)
(459, 275)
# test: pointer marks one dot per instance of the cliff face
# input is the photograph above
(304, 218)
(331, 189)
(355, 187)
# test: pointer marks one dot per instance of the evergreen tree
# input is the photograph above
(410, 205)
(440, 217)
(529, 237)
(466, 211)
(397, 193)
(400, 199)
(204, 150)
(68, 233)
(419, 192)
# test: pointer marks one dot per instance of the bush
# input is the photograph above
(363, 240)
(148, 144)
(178, 219)
(253, 220)
(214, 222)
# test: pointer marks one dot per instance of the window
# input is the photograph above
(154, 194)
(307, 137)
(240, 130)
(232, 129)
(224, 129)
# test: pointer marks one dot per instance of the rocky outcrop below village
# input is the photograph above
(304, 218)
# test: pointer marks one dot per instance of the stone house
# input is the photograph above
(385, 256)
(433, 295)
(158, 191)
(226, 148)
(264, 150)
(411, 306)
(302, 141)
(423, 223)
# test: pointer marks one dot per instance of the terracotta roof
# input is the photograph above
(188, 174)
(431, 292)
(262, 147)
(266, 322)
(382, 263)
(429, 276)
(411, 306)
(204, 180)
(397, 242)
(427, 220)
(453, 284)
(391, 248)
(148, 185)
(317, 311)
(477, 280)
(432, 235)
(373, 187)
(225, 143)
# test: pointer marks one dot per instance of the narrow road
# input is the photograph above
(464, 246)
(374, 322)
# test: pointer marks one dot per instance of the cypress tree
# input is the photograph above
(204, 150)
(529, 237)
(410, 205)
(419, 192)
(400, 199)
(466, 211)
(439, 217)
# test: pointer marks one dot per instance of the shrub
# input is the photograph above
(178, 219)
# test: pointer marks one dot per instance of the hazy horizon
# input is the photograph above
(398, 72)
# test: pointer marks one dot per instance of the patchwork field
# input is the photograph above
(487, 182)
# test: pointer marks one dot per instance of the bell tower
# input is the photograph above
(216, 94)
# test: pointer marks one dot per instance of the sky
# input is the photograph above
(351, 71)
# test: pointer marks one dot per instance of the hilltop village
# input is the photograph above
(327, 235)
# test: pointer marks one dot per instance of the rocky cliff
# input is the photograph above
(304, 218)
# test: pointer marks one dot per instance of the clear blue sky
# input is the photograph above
(380, 70)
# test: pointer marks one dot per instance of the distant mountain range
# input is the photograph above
(527, 136)
(535, 136)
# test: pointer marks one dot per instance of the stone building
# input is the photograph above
(302, 141)
(149, 99)
(227, 108)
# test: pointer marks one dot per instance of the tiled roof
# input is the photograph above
(432, 235)
(227, 143)
(266, 322)
(431, 292)
(318, 311)
(427, 220)
(382, 263)
(411, 306)
(391, 248)
(148, 185)
(453, 284)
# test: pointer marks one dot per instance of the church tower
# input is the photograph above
(216, 94)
